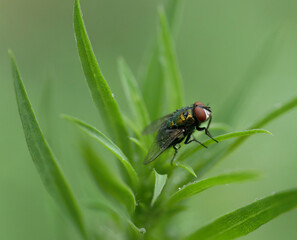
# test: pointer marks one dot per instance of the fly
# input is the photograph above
(177, 126)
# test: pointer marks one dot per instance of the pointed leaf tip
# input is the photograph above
(99, 88)
(160, 181)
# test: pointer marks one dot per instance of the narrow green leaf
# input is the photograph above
(97, 205)
(101, 93)
(187, 167)
(108, 180)
(108, 144)
(153, 87)
(265, 55)
(173, 10)
(247, 219)
(133, 95)
(133, 127)
(279, 111)
(140, 140)
(100, 206)
(43, 158)
(194, 148)
(139, 144)
(160, 181)
(170, 67)
(194, 188)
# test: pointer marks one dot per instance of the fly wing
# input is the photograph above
(156, 125)
(163, 140)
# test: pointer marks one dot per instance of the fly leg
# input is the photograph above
(187, 141)
(175, 147)
(206, 130)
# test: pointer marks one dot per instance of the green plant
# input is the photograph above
(141, 201)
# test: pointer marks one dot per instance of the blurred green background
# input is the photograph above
(217, 44)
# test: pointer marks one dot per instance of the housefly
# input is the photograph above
(177, 126)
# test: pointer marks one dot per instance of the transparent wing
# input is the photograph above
(156, 125)
(163, 140)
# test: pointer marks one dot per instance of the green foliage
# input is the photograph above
(265, 55)
(153, 77)
(108, 144)
(187, 167)
(279, 111)
(170, 68)
(247, 219)
(141, 200)
(196, 187)
(107, 179)
(101, 93)
(160, 181)
(43, 158)
(133, 95)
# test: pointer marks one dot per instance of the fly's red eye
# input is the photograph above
(200, 114)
